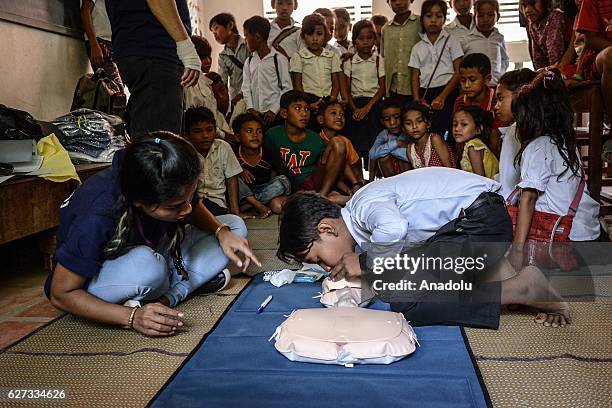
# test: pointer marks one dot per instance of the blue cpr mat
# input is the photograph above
(237, 366)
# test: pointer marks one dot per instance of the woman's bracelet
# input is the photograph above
(131, 321)
(219, 228)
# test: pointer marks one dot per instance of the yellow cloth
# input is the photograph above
(490, 162)
(56, 160)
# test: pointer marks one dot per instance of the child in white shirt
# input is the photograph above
(464, 20)
(486, 39)
(509, 83)
(550, 165)
(315, 69)
(266, 72)
(435, 65)
(284, 31)
(363, 87)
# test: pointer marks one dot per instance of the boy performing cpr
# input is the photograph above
(429, 207)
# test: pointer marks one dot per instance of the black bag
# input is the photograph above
(99, 92)
(18, 125)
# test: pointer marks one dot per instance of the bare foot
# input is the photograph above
(338, 198)
(531, 288)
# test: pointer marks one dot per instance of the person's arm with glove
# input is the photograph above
(166, 13)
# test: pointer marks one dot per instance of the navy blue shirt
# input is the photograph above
(137, 33)
(88, 219)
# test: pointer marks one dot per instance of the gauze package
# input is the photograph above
(345, 336)
(309, 273)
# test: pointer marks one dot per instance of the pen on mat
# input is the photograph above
(264, 304)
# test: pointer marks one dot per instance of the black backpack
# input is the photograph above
(18, 125)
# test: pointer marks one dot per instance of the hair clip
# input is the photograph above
(157, 140)
(548, 76)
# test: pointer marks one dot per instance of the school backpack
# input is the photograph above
(281, 37)
(99, 92)
(345, 336)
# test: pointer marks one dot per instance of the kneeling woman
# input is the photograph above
(137, 231)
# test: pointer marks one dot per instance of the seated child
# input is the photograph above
(423, 208)
(331, 118)
(471, 127)
(315, 69)
(475, 76)
(301, 154)
(427, 149)
(220, 168)
(256, 186)
(435, 65)
(389, 149)
(363, 87)
(551, 169)
(509, 83)
(486, 39)
(265, 75)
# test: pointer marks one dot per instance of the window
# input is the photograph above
(358, 9)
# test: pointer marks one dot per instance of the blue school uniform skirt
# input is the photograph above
(363, 133)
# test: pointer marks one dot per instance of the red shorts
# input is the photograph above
(314, 182)
(395, 163)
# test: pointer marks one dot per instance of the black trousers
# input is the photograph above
(156, 95)
(484, 227)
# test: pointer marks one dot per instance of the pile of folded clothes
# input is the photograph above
(90, 136)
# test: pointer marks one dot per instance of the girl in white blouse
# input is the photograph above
(550, 165)
(315, 69)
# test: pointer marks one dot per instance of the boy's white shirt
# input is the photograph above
(412, 206)
(493, 47)
(275, 30)
(293, 43)
(424, 56)
(260, 83)
(459, 30)
(219, 165)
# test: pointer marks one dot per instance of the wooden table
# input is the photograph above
(587, 97)
(30, 205)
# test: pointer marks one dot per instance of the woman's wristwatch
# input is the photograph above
(219, 228)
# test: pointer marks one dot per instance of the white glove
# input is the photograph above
(187, 54)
